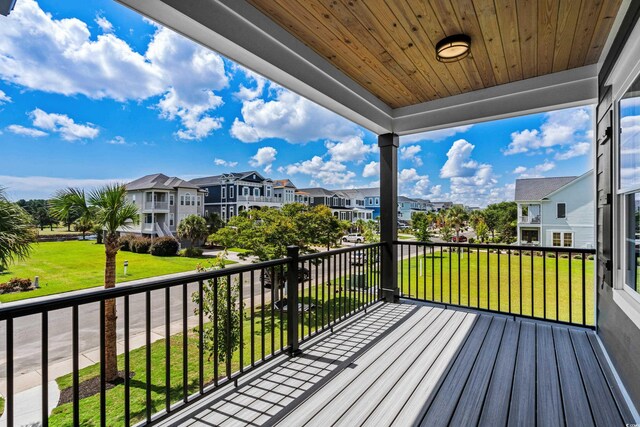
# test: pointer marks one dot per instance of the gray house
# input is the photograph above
(163, 202)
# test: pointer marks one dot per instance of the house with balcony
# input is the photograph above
(231, 193)
(556, 211)
(346, 206)
(285, 191)
(399, 340)
(441, 206)
(163, 202)
(355, 200)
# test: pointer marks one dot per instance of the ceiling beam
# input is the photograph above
(575, 87)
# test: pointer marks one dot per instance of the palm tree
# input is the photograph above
(193, 228)
(16, 233)
(457, 217)
(72, 201)
(111, 211)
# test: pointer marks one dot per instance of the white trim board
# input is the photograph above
(243, 34)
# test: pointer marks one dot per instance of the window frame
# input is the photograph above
(564, 213)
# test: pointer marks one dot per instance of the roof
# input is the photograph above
(217, 179)
(159, 181)
(277, 183)
(538, 188)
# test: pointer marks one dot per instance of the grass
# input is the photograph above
(1, 406)
(463, 273)
(73, 265)
(46, 231)
(273, 339)
(239, 250)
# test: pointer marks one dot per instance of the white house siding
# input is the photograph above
(579, 200)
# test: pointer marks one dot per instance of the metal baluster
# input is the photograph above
(253, 319)
(509, 259)
(570, 292)
(459, 267)
(584, 290)
(103, 388)
(45, 368)
(241, 320)
(185, 343)
(167, 349)
(274, 282)
(10, 388)
(499, 293)
(532, 282)
(544, 284)
(147, 336)
(127, 364)
(200, 337)
(216, 360)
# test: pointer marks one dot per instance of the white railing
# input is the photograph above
(259, 199)
(157, 205)
(527, 219)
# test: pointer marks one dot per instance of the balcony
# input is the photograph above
(259, 200)
(344, 356)
(156, 206)
(529, 219)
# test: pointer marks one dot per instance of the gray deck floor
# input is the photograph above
(404, 365)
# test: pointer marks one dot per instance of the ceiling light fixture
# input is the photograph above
(453, 48)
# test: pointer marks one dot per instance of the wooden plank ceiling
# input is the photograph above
(388, 46)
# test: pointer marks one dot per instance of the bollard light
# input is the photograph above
(126, 265)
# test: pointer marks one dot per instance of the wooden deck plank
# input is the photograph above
(376, 392)
(303, 373)
(496, 403)
(469, 407)
(603, 406)
(389, 406)
(522, 410)
(548, 398)
(574, 397)
(441, 409)
(329, 403)
(418, 402)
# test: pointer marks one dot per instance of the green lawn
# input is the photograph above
(238, 250)
(90, 407)
(461, 272)
(68, 266)
(46, 231)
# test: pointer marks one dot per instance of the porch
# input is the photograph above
(416, 364)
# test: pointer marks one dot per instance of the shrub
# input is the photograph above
(472, 240)
(515, 253)
(577, 257)
(125, 242)
(551, 255)
(191, 252)
(526, 253)
(164, 246)
(591, 257)
(16, 285)
(140, 245)
(564, 256)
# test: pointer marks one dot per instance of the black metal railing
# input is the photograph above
(551, 283)
(218, 325)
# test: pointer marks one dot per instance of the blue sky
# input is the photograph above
(90, 92)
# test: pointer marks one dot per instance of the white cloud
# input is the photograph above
(290, 117)
(4, 98)
(118, 140)
(63, 124)
(245, 93)
(24, 131)
(192, 74)
(104, 24)
(222, 162)
(61, 56)
(519, 170)
(535, 171)
(44, 187)
(264, 157)
(322, 172)
(411, 153)
(560, 128)
(352, 149)
(413, 184)
(434, 135)
(459, 162)
(371, 169)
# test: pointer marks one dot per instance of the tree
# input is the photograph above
(446, 233)
(83, 224)
(72, 206)
(482, 231)
(16, 233)
(39, 211)
(456, 218)
(502, 217)
(193, 228)
(421, 225)
(369, 234)
(111, 211)
(220, 303)
(324, 228)
(214, 222)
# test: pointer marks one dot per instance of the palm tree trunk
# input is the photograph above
(110, 349)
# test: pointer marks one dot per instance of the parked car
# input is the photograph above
(353, 238)
(460, 239)
(402, 226)
(358, 258)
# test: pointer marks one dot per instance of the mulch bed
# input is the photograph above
(90, 387)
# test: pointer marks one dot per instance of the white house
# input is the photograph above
(163, 202)
(556, 211)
